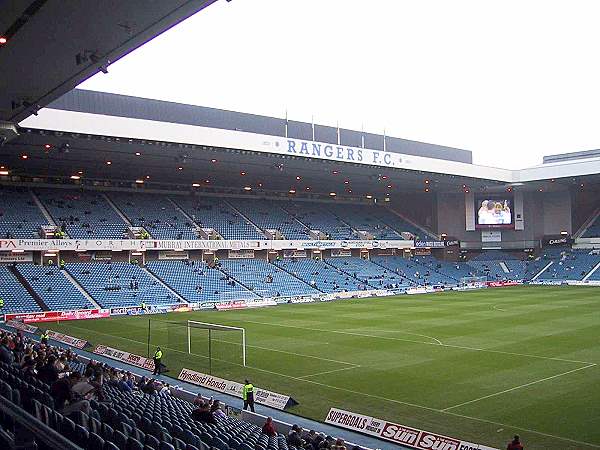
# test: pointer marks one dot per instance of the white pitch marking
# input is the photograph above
(413, 334)
(399, 402)
(420, 342)
(328, 371)
(498, 309)
(518, 387)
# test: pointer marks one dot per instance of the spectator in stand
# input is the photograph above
(268, 428)
(294, 437)
(198, 401)
(339, 445)
(65, 399)
(203, 414)
(215, 409)
(48, 373)
(6, 356)
(515, 444)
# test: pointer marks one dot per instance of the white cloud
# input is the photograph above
(510, 80)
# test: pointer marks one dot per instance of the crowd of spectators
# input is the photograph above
(307, 440)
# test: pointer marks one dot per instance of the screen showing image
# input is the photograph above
(493, 212)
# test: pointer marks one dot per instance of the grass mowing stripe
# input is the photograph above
(420, 342)
(519, 387)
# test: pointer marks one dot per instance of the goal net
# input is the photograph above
(210, 346)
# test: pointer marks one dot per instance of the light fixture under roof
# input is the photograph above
(213, 161)
(247, 188)
(108, 163)
(3, 40)
(298, 177)
(24, 156)
(4, 172)
(180, 168)
(75, 177)
(369, 196)
(138, 154)
(292, 191)
(195, 184)
(147, 177)
(332, 194)
(139, 181)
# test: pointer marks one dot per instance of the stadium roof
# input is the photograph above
(51, 48)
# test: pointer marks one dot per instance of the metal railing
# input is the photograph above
(28, 429)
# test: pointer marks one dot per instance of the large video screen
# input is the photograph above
(493, 212)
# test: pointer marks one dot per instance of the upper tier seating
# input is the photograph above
(571, 265)
(593, 230)
(212, 212)
(412, 271)
(369, 273)
(20, 217)
(110, 284)
(53, 287)
(196, 282)
(321, 275)
(15, 296)
(156, 214)
(84, 214)
(265, 279)
(317, 216)
(269, 214)
(362, 218)
(396, 222)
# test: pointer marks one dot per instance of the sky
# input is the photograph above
(510, 80)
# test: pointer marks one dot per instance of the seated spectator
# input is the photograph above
(198, 401)
(203, 414)
(48, 373)
(65, 400)
(215, 409)
(339, 445)
(268, 428)
(294, 437)
(6, 356)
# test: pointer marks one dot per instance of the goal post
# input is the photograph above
(212, 329)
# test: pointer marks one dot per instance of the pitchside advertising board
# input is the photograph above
(54, 316)
(66, 339)
(398, 434)
(126, 357)
(262, 396)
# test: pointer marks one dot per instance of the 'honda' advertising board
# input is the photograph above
(398, 434)
(262, 396)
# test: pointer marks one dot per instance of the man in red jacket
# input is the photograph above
(515, 444)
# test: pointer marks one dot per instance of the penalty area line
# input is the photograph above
(541, 380)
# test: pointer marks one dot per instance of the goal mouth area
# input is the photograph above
(210, 344)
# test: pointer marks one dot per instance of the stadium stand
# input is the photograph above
(571, 265)
(120, 284)
(413, 272)
(83, 214)
(320, 275)
(498, 265)
(269, 214)
(195, 281)
(209, 212)
(156, 214)
(593, 229)
(453, 270)
(368, 272)
(392, 219)
(15, 296)
(315, 217)
(51, 285)
(265, 279)
(117, 419)
(362, 219)
(20, 217)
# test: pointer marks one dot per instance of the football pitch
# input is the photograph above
(480, 365)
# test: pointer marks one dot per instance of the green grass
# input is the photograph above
(478, 365)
